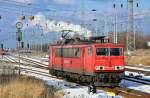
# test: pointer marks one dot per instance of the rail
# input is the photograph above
(126, 92)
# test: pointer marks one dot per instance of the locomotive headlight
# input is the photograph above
(99, 67)
(119, 67)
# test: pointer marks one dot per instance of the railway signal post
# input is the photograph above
(19, 26)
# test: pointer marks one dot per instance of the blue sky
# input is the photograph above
(67, 11)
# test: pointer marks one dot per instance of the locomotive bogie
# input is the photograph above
(99, 79)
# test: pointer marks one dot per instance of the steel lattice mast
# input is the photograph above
(130, 44)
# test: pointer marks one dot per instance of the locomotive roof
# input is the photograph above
(96, 41)
(89, 44)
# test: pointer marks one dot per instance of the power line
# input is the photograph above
(33, 6)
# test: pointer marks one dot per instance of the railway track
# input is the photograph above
(126, 92)
(137, 80)
(29, 68)
(129, 78)
(139, 66)
(36, 64)
(25, 63)
(147, 73)
(138, 69)
(31, 61)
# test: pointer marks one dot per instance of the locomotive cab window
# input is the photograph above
(76, 52)
(89, 51)
(115, 51)
(102, 51)
(71, 52)
(58, 52)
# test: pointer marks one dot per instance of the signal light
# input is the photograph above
(21, 17)
(22, 44)
(93, 10)
(114, 5)
(94, 19)
(2, 46)
(28, 46)
(121, 5)
(31, 18)
(137, 5)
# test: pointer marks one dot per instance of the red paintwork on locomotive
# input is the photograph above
(86, 64)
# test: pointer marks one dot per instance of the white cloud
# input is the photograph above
(54, 26)
(63, 1)
(141, 14)
(25, 1)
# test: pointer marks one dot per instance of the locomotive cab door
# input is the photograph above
(88, 60)
(82, 60)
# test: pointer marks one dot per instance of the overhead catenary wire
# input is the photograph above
(136, 15)
(33, 6)
(50, 11)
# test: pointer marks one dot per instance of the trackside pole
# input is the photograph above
(92, 88)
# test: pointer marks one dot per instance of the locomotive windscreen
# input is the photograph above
(108, 51)
(115, 51)
(102, 51)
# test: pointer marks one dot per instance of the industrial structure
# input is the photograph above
(130, 28)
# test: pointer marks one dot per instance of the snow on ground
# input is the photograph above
(136, 74)
(135, 86)
(70, 91)
(2, 58)
(82, 91)
(137, 68)
(43, 60)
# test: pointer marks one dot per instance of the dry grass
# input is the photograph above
(141, 56)
(27, 87)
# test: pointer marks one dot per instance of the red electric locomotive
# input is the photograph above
(94, 61)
